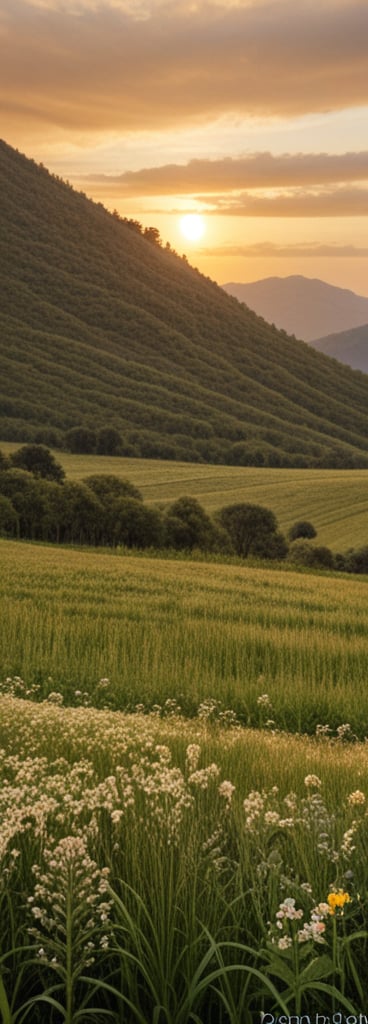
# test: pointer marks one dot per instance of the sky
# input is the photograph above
(252, 114)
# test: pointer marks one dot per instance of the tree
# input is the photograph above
(9, 523)
(34, 500)
(108, 487)
(188, 526)
(130, 522)
(109, 441)
(37, 459)
(252, 529)
(80, 515)
(152, 235)
(81, 440)
(4, 462)
(302, 529)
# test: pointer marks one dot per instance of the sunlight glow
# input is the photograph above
(192, 226)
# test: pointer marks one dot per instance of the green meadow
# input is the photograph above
(161, 629)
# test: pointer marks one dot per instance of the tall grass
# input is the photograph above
(157, 869)
(138, 885)
(158, 630)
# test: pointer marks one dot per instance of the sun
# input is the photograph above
(192, 226)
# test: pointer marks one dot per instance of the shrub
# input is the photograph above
(309, 555)
(354, 561)
(302, 529)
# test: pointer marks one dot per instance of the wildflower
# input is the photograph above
(337, 900)
(312, 782)
(193, 753)
(264, 700)
(344, 732)
(202, 777)
(322, 909)
(356, 798)
(347, 846)
(287, 909)
(226, 789)
(271, 818)
(322, 730)
(228, 718)
(208, 709)
(312, 930)
(71, 904)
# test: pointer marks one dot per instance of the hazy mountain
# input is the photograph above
(350, 347)
(101, 326)
(303, 306)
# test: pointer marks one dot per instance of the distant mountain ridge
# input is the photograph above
(306, 307)
(102, 327)
(350, 347)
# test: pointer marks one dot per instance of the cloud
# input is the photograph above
(299, 250)
(341, 202)
(97, 66)
(256, 170)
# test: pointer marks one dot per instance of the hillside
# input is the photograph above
(350, 347)
(102, 327)
(303, 306)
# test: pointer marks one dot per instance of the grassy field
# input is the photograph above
(177, 872)
(170, 866)
(335, 501)
(162, 630)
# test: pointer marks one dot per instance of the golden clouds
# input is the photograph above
(256, 185)
(89, 65)
(255, 170)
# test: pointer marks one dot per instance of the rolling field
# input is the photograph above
(162, 630)
(335, 501)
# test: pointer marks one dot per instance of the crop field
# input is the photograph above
(162, 630)
(335, 501)
(170, 866)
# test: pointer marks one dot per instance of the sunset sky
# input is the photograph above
(252, 113)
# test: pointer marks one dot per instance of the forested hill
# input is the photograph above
(109, 339)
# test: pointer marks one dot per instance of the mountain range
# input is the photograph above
(350, 347)
(303, 306)
(103, 328)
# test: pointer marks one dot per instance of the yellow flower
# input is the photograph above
(337, 900)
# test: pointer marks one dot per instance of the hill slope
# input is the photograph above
(350, 347)
(100, 326)
(303, 306)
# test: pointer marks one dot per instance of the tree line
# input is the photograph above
(37, 502)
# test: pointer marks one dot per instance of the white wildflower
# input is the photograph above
(356, 798)
(312, 782)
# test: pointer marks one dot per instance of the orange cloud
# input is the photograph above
(301, 250)
(340, 202)
(120, 66)
(256, 170)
